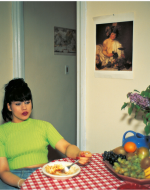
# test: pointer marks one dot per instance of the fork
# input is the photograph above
(67, 168)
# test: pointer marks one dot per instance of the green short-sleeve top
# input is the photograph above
(25, 144)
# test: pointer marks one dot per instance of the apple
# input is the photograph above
(143, 152)
(145, 163)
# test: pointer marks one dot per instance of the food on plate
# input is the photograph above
(130, 147)
(143, 152)
(112, 157)
(120, 150)
(130, 167)
(56, 169)
(145, 163)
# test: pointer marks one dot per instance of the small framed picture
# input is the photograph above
(64, 41)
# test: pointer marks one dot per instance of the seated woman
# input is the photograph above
(24, 141)
(111, 49)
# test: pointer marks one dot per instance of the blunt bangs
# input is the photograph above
(20, 94)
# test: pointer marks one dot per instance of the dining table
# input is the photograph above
(95, 175)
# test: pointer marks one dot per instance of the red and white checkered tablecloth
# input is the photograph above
(94, 176)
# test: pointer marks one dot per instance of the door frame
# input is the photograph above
(18, 39)
(81, 74)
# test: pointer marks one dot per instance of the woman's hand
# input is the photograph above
(84, 157)
(72, 151)
(20, 182)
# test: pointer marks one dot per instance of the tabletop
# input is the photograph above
(95, 176)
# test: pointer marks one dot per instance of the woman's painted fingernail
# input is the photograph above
(77, 158)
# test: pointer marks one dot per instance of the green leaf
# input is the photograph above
(137, 107)
(147, 129)
(148, 95)
(129, 111)
(136, 113)
(148, 88)
(147, 115)
(145, 94)
(144, 120)
(124, 105)
(142, 93)
(132, 105)
(136, 91)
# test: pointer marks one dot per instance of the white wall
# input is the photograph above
(54, 93)
(6, 72)
(105, 122)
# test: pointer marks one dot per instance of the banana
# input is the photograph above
(147, 177)
(147, 173)
(147, 169)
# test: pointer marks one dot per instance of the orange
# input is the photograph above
(130, 147)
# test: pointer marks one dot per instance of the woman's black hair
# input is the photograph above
(15, 90)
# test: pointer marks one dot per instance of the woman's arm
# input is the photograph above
(72, 151)
(8, 177)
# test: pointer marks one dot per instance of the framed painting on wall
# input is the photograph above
(114, 46)
(64, 41)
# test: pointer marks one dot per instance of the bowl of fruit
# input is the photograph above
(129, 163)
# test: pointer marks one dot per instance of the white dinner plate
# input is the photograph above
(63, 176)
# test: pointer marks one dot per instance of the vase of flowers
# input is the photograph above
(140, 102)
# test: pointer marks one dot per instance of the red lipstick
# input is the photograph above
(25, 113)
